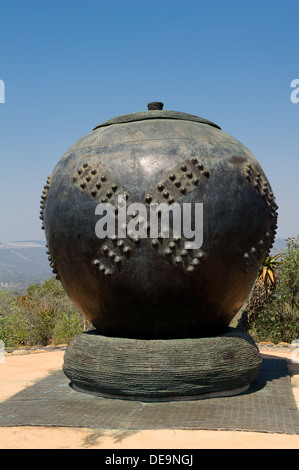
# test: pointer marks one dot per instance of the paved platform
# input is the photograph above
(268, 406)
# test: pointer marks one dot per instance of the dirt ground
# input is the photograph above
(22, 370)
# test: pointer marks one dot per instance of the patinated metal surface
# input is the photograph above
(155, 111)
(156, 369)
(154, 288)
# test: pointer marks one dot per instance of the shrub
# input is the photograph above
(13, 330)
(67, 325)
(43, 315)
(279, 319)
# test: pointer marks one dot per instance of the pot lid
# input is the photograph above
(155, 111)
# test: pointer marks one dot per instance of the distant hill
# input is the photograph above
(24, 263)
(279, 245)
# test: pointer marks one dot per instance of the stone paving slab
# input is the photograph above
(267, 406)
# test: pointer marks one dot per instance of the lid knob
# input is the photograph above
(155, 105)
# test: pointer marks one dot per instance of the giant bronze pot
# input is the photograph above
(155, 288)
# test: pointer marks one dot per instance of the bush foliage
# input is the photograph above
(43, 315)
(278, 320)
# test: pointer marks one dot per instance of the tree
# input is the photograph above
(279, 320)
(289, 273)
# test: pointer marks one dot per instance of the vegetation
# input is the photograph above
(272, 311)
(279, 318)
(43, 315)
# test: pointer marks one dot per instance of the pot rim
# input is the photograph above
(155, 114)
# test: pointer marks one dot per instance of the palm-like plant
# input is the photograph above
(264, 286)
(267, 272)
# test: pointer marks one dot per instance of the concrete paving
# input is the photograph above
(23, 375)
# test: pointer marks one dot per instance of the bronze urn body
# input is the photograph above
(156, 287)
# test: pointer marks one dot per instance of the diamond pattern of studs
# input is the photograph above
(98, 185)
(180, 182)
(174, 251)
(115, 252)
(112, 255)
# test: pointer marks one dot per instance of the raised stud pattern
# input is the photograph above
(264, 245)
(97, 184)
(174, 252)
(180, 182)
(112, 255)
(43, 200)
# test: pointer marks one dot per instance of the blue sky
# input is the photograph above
(69, 65)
